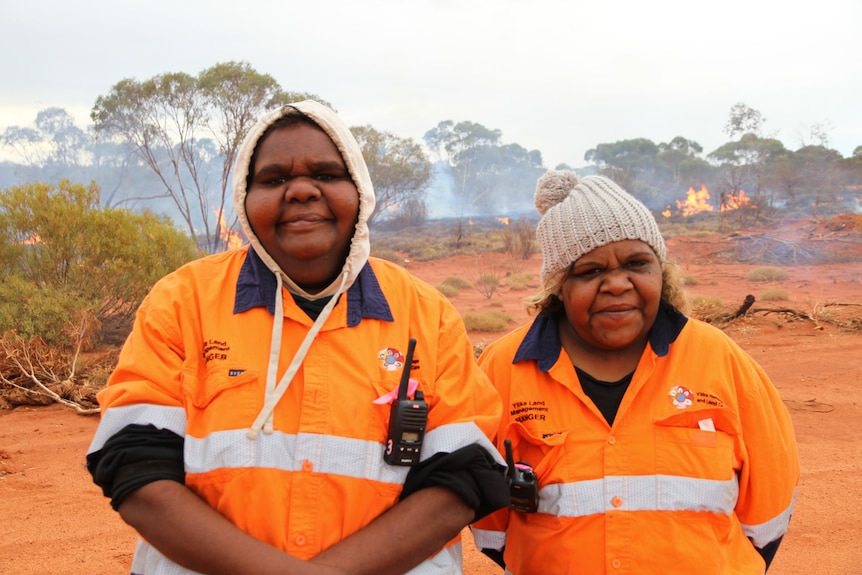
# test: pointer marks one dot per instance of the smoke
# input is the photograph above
(441, 198)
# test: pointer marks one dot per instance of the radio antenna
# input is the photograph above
(405, 373)
(510, 460)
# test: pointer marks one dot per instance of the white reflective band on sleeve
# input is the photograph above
(486, 539)
(454, 436)
(148, 561)
(639, 493)
(116, 418)
(765, 533)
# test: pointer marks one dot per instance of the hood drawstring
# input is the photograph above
(274, 392)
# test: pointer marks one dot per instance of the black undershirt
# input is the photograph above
(312, 307)
(607, 395)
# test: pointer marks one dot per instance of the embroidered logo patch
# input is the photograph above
(215, 349)
(391, 358)
(682, 396)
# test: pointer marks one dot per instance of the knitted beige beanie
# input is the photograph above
(579, 216)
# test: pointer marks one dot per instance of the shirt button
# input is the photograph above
(612, 439)
(616, 563)
(616, 501)
(307, 466)
(299, 540)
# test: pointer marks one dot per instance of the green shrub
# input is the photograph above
(774, 294)
(447, 290)
(766, 274)
(487, 321)
(457, 282)
(63, 257)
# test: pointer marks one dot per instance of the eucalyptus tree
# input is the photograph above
(489, 176)
(633, 164)
(53, 146)
(400, 171)
(167, 121)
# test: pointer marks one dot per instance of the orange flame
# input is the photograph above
(736, 201)
(504, 221)
(32, 240)
(696, 201)
(470, 221)
(232, 239)
(666, 213)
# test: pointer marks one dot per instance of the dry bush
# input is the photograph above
(521, 281)
(774, 294)
(487, 284)
(447, 290)
(457, 282)
(519, 239)
(766, 274)
(705, 308)
(388, 255)
(32, 372)
(488, 270)
(487, 321)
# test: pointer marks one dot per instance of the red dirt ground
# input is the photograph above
(54, 520)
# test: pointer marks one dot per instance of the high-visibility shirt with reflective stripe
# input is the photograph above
(193, 365)
(700, 458)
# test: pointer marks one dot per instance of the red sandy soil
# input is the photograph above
(54, 520)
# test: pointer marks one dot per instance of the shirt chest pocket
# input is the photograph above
(545, 452)
(221, 400)
(702, 444)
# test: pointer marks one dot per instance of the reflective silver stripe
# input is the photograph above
(765, 533)
(357, 458)
(639, 493)
(487, 539)
(453, 436)
(116, 418)
(328, 454)
(148, 561)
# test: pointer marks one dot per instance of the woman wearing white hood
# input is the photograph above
(244, 428)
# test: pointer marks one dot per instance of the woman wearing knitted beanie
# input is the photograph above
(658, 445)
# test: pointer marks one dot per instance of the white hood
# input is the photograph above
(329, 122)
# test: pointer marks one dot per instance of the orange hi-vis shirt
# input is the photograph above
(195, 363)
(698, 468)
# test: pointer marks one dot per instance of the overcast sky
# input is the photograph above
(560, 76)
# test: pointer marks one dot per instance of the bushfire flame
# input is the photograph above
(735, 201)
(696, 201)
(231, 238)
(504, 221)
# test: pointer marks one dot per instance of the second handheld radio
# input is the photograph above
(408, 419)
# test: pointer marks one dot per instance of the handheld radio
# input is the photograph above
(523, 485)
(408, 419)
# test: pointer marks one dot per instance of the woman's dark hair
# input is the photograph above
(289, 119)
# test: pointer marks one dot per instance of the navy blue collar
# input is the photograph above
(256, 285)
(542, 342)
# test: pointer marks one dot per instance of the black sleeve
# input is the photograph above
(135, 456)
(495, 556)
(471, 472)
(769, 550)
